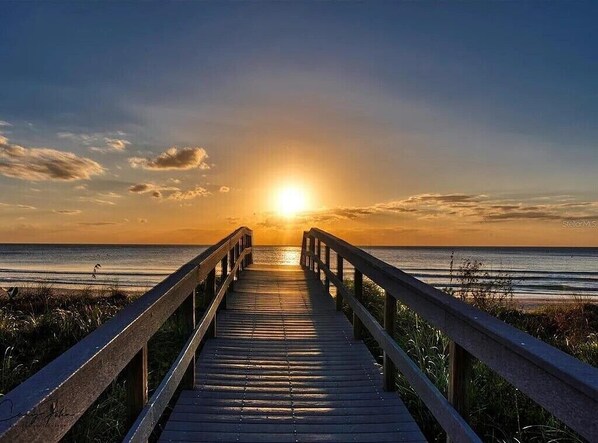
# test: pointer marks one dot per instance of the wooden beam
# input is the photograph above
(188, 315)
(358, 292)
(210, 292)
(136, 384)
(390, 313)
(327, 262)
(339, 274)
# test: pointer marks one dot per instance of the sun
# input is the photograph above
(291, 200)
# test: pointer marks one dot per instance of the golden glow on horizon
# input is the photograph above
(291, 200)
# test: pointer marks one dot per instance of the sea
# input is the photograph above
(542, 272)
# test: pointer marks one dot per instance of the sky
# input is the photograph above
(429, 123)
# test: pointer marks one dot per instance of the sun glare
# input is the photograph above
(291, 200)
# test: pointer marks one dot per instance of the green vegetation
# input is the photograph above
(498, 412)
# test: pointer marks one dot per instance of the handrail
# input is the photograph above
(46, 405)
(560, 383)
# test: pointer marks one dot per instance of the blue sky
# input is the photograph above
(496, 99)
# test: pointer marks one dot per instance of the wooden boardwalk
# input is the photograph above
(285, 368)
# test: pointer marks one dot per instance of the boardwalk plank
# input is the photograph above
(285, 367)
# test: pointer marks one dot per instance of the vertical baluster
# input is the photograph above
(224, 268)
(238, 271)
(339, 274)
(390, 312)
(188, 311)
(459, 376)
(312, 250)
(231, 261)
(136, 383)
(318, 254)
(209, 297)
(302, 260)
(358, 286)
(327, 261)
(250, 255)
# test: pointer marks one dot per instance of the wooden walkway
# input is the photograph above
(285, 368)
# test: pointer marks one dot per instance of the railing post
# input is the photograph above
(136, 383)
(238, 271)
(358, 287)
(459, 371)
(188, 311)
(312, 249)
(250, 245)
(327, 261)
(231, 263)
(209, 296)
(224, 269)
(390, 312)
(318, 255)
(302, 260)
(339, 274)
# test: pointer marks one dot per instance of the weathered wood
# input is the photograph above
(339, 274)
(147, 420)
(390, 313)
(136, 384)
(188, 311)
(224, 274)
(312, 250)
(303, 259)
(327, 262)
(565, 386)
(284, 368)
(318, 255)
(459, 376)
(358, 292)
(210, 292)
(65, 388)
(450, 420)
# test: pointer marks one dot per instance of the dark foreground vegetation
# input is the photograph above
(41, 323)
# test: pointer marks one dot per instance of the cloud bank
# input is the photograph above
(39, 164)
(174, 159)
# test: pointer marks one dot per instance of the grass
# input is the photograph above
(498, 412)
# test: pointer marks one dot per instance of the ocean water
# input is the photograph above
(536, 271)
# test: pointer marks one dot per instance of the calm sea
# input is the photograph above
(536, 271)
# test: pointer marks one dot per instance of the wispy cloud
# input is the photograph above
(4, 123)
(38, 164)
(224, 189)
(111, 141)
(16, 206)
(169, 192)
(189, 194)
(174, 159)
(67, 211)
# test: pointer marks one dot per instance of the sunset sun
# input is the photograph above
(291, 200)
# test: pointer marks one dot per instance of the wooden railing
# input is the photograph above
(563, 385)
(47, 405)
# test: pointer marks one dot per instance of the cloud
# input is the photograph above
(112, 141)
(189, 194)
(170, 192)
(224, 189)
(10, 205)
(173, 159)
(38, 164)
(67, 211)
(142, 220)
(118, 144)
(98, 223)
(4, 123)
